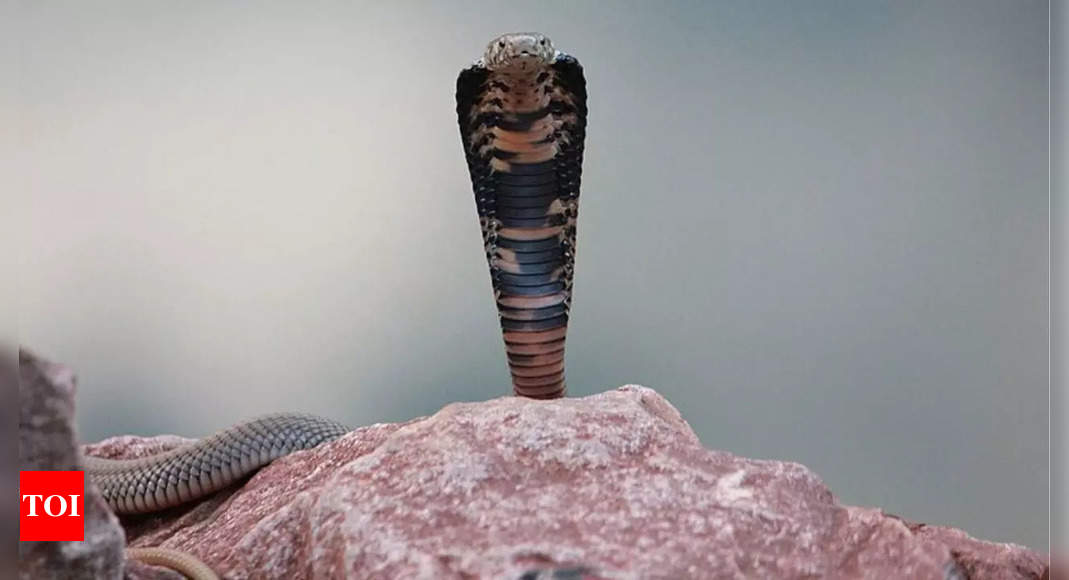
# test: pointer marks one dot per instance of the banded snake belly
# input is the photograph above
(522, 114)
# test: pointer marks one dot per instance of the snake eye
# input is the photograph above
(543, 42)
(501, 43)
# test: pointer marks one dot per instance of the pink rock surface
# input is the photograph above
(616, 483)
(981, 559)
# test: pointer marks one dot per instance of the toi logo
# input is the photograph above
(51, 506)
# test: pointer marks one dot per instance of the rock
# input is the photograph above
(614, 485)
(980, 559)
(47, 442)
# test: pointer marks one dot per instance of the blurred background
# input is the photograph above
(819, 229)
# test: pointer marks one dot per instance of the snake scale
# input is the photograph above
(521, 110)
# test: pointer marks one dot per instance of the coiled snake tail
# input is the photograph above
(182, 562)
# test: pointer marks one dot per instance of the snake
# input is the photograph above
(521, 110)
(522, 113)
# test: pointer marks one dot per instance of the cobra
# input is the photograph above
(522, 115)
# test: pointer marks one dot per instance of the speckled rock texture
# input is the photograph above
(614, 485)
(47, 442)
(980, 559)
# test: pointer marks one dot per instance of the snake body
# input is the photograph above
(183, 562)
(156, 482)
(522, 115)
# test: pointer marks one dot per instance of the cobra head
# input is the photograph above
(519, 51)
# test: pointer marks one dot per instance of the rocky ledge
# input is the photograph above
(614, 485)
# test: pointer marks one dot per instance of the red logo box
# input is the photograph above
(52, 506)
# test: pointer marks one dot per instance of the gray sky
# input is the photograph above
(818, 228)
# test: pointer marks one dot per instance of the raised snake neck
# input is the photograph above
(522, 116)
